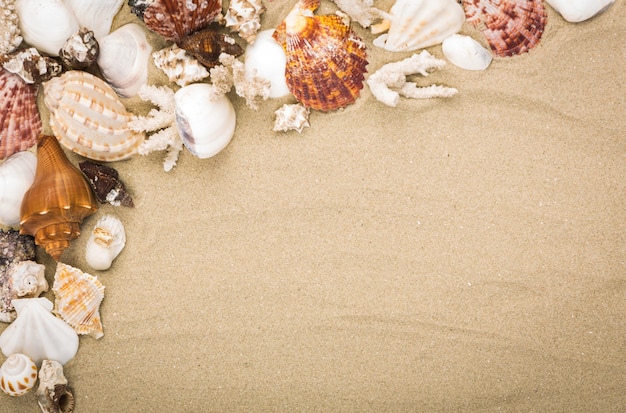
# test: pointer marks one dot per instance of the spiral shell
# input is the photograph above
(18, 375)
(59, 199)
(53, 393)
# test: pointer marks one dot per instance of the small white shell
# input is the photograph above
(244, 17)
(17, 174)
(575, 11)
(29, 279)
(291, 117)
(206, 124)
(18, 375)
(105, 243)
(179, 66)
(466, 53)
(46, 24)
(97, 16)
(267, 58)
(123, 59)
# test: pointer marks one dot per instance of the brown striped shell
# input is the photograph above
(60, 198)
(175, 19)
(88, 117)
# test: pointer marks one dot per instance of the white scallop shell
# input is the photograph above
(97, 16)
(266, 59)
(87, 117)
(18, 375)
(416, 24)
(206, 124)
(466, 53)
(39, 334)
(46, 24)
(575, 11)
(105, 243)
(123, 59)
(16, 176)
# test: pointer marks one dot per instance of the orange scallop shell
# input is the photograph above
(326, 60)
(175, 19)
(59, 199)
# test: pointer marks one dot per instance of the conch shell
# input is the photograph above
(59, 199)
(53, 395)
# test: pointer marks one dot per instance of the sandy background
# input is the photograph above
(465, 254)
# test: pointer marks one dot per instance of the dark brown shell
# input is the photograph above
(106, 184)
(175, 19)
(60, 198)
(207, 45)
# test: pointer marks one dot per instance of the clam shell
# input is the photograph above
(77, 299)
(16, 176)
(20, 124)
(60, 198)
(95, 15)
(105, 243)
(575, 11)
(87, 117)
(465, 52)
(123, 59)
(266, 59)
(175, 19)
(46, 24)
(18, 375)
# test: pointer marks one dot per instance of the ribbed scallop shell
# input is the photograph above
(20, 124)
(77, 299)
(88, 117)
(175, 19)
(18, 375)
(511, 27)
(326, 60)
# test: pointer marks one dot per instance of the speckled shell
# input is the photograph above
(511, 27)
(77, 299)
(326, 60)
(20, 124)
(59, 199)
(207, 45)
(18, 375)
(175, 19)
(87, 117)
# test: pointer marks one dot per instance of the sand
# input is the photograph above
(462, 254)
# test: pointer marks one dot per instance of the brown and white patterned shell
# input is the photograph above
(88, 117)
(77, 299)
(18, 375)
(175, 19)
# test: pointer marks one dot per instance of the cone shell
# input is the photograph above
(175, 19)
(88, 117)
(59, 199)
(77, 299)
(18, 375)
(20, 124)
(326, 60)
(511, 27)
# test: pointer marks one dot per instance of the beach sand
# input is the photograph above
(462, 254)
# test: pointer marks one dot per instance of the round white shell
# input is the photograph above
(46, 24)
(206, 124)
(17, 174)
(466, 53)
(29, 279)
(18, 375)
(267, 58)
(105, 243)
(97, 16)
(575, 11)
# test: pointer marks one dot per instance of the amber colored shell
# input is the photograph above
(207, 45)
(60, 198)
(20, 124)
(175, 19)
(326, 60)
(511, 27)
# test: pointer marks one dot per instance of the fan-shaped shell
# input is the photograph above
(511, 27)
(95, 15)
(20, 124)
(16, 176)
(175, 19)
(87, 117)
(77, 299)
(59, 199)
(326, 60)
(46, 24)
(18, 375)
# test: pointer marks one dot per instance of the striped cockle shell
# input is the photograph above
(87, 117)
(77, 299)
(18, 375)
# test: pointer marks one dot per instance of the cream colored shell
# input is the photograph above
(18, 375)
(105, 243)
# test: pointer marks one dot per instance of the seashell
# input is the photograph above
(31, 66)
(206, 124)
(80, 50)
(25, 279)
(138, 7)
(266, 59)
(46, 24)
(291, 117)
(87, 117)
(97, 16)
(18, 375)
(207, 46)
(178, 66)
(244, 17)
(105, 243)
(106, 184)
(123, 59)
(16, 176)
(14, 249)
(465, 52)
(59, 199)
(416, 24)
(326, 60)
(37, 333)
(511, 27)
(175, 19)
(77, 299)
(575, 11)
(20, 124)
(10, 38)
(53, 395)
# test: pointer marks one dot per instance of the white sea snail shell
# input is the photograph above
(17, 174)
(466, 53)
(105, 243)
(266, 59)
(18, 375)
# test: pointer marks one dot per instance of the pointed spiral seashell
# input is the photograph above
(105, 243)
(60, 198)
(18, 375)
(28, 279)
(16, 176)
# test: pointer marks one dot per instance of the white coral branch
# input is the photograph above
(248, 87)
